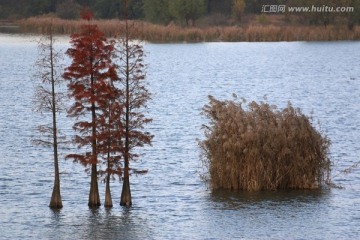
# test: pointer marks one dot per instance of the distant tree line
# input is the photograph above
(184, 12)
(155, 10)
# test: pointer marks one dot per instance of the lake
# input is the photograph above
(171, 201)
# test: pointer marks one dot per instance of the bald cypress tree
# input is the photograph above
(48, 99)
(89, 81)
(131, 71)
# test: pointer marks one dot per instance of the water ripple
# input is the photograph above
(171, 202)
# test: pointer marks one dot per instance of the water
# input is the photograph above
(171, 201)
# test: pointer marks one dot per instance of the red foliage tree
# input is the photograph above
(109, 139)
(90, 77)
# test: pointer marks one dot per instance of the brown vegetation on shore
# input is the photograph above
(262, 148)
(172, 33)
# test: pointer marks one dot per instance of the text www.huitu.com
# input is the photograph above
(312, 9)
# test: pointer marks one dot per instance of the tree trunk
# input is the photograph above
(55, 201)
(94, 198)
(126, 193)
(108, 199)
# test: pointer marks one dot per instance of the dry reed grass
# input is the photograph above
(262, 148)
(172, 33)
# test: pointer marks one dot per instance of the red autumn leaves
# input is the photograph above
(107, 99)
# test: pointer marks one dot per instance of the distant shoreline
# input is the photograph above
(9, 29)
(7, 26)
(172, 33)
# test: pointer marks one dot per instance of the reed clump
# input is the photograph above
(259, 147)
(172, 33)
